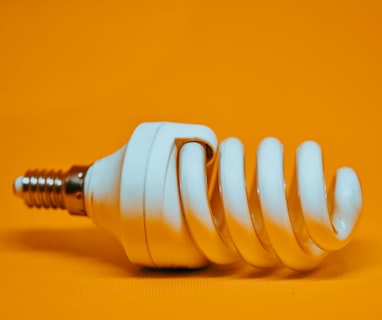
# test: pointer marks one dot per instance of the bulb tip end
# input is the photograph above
(18, 186)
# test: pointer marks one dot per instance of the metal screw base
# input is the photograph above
(53, 189)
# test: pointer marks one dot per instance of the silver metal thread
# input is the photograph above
(53, 189)
(43, 189)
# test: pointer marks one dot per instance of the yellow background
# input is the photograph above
(76, 77)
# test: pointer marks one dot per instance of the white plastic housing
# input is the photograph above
(133, 194)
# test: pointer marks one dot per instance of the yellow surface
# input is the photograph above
(76, 77)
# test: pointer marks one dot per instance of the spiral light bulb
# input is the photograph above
(161, 197)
